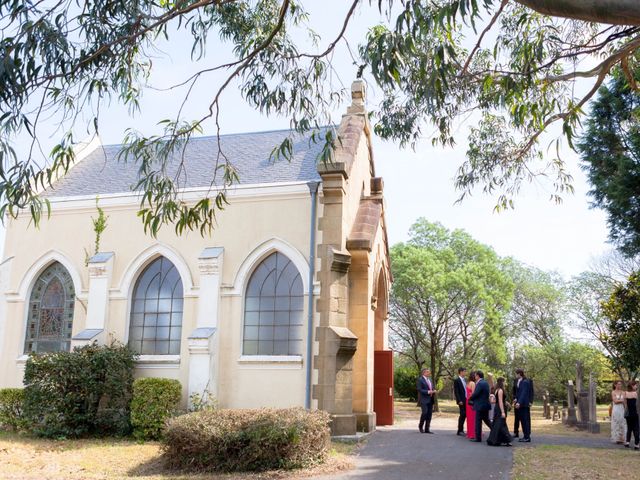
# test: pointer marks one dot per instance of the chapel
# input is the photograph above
(284, 304)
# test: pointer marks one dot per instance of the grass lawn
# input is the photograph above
(555, 462)
(405, 410)
(24, 458)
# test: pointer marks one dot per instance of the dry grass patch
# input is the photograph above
(404, 410)
(556, 462)
(25, 458)
(542, 426)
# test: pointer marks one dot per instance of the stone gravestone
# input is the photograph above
(571, 409)
(594, 426)
(556, 414)
(583, 399)
(546, 411)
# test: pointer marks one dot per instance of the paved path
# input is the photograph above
(402, 453)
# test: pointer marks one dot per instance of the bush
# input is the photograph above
(155, 400)
(79, 393)
(11, 408)
(247, 440)
(404, 383)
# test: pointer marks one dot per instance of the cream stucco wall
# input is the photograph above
(255, 216)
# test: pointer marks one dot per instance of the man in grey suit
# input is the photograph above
(426, 391)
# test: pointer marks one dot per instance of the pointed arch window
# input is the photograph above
(273, 313)
(156, 310)
(50, 316)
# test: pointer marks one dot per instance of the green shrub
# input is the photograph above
(246, 440)
(79, 393)
(11, 408)
(404, 383)
(155, 400)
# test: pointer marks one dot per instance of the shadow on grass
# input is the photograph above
(155, 466)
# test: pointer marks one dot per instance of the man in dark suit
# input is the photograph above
(426, 391)
(460, 393)
(524, 400)
(481, 405)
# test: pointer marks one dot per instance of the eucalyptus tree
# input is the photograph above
(589, 292)
(538, 309)
(514, 62)
(448, 300)
(615, 266)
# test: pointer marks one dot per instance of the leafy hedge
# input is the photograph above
(11, 408)
(404, 383)
(246, 440)
(83, 392)
(155, 400)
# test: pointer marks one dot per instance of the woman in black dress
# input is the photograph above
(499, 431)
(633, 423)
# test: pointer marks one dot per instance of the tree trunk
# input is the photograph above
(434, 374)
(617, 12)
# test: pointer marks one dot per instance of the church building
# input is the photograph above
(284, 304)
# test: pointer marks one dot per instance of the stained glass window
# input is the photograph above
(50, 317)
(156, 310)
(273, 309)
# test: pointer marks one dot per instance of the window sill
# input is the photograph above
(270, 359)
(158, 361)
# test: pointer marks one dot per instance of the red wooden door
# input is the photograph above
(383, 387)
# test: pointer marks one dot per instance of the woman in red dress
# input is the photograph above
(471, 414)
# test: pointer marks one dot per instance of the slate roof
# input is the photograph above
(100, 172)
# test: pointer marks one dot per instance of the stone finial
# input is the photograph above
(358, 97)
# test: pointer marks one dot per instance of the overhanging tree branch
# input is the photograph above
(617, 12)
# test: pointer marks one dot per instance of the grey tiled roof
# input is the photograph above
(102, 173)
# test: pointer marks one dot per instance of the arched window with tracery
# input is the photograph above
(273, 309)
(156, 310)
(50, 316)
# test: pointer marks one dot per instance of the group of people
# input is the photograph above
(624, 414)
(482, 401)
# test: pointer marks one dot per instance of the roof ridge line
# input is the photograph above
(238, 134)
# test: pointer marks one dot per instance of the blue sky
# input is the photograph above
(418, 183)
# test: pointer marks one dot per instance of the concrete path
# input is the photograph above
(402, 453)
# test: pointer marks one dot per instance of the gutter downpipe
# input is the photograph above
(313, 188)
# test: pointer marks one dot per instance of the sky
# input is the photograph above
(418, 183)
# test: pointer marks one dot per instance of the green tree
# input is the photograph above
(552, 376)
(622, 310)
(66, 60)
(448, 300)
(586, 293)
(538, 307)
(610, 150)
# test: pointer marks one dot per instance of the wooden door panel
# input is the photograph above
(383, 387)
